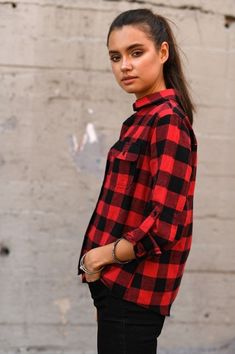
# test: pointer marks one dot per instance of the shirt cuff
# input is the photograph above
(144, 243)
(144, 247)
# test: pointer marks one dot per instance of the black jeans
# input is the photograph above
(124, 327)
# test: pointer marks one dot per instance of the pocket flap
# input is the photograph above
(127, 152)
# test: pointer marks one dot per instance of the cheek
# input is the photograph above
(153, 67)
(115, 71)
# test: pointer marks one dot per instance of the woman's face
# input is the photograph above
(136, 63)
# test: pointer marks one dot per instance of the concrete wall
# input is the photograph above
(60, 112)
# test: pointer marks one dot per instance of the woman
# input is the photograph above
(139, 236)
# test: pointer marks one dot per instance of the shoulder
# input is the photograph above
(169, 114)
(171, 123)
(174, 118)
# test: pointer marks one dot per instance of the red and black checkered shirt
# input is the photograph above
(147, 198)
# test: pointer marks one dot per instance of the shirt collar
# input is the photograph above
(155, 98)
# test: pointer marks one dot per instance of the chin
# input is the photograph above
(133, 90)
(129, 89)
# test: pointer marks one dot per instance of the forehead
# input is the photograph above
(122, 38)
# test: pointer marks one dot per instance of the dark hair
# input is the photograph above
(159, 30)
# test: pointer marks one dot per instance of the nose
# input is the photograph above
(125, 65)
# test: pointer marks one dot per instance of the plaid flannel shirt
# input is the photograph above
(147, 198)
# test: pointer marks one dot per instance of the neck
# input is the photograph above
(159, 86)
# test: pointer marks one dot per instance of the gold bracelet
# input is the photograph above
(116, 260)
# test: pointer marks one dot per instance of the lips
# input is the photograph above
(128, 79)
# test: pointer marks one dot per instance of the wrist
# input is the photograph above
(125, 250)
(120, 251)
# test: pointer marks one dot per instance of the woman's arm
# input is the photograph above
(101, 256)
(172, 163)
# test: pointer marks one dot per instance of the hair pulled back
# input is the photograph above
(159, 30)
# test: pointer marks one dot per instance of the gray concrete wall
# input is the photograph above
(60, 112)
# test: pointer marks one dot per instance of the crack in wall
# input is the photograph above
(160, 4)
(13, 4)
(228, 18)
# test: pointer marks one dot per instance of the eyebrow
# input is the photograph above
(128, 48)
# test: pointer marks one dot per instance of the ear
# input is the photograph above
(164, 52)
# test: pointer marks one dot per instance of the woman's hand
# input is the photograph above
(92, 277)
(90, 264)
(98, 257)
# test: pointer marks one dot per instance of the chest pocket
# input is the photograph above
(123, 156)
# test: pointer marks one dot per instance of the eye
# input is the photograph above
(137, 53)
(114, 58)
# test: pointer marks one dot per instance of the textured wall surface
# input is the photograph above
(60, 112)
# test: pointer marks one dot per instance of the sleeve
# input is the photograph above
(171, 168)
